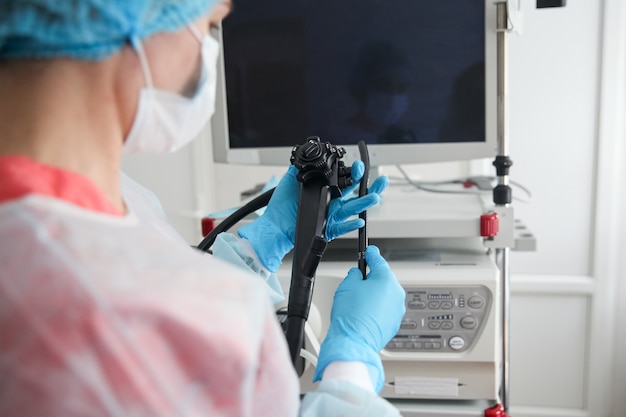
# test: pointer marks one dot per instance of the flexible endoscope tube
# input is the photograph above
(250, 207)
(363, 241)
(311, 217)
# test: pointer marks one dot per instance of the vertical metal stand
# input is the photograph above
(502, 192)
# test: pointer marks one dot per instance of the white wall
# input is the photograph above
(565, 69)
(567, 315)
(619, 369)
(618, 118)
(554, 68)
(620, 295)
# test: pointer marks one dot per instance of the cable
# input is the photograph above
(419, 185)
(521, 187)
(250, 207)
(426, 185)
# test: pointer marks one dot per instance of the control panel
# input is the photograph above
(445, 319)
(447, 346)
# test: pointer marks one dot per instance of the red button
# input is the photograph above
(489, 224)
(208, 224)
(495, 411)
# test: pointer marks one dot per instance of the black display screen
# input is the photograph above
(383, 71)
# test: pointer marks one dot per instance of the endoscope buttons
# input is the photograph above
(476, 302)
(468, 322)
(456, 343)
(433, 305)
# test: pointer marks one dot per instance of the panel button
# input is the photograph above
(434, 325)
(394, 345)
(433, 305)
(413, 345)
(417, 305)
(428, 345)
(436, 345)
(408, 325)
(468, 322)
(476, 302)
(446, 305)
(456, 343)
(446, 325)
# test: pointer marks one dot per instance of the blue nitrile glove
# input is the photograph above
(273, 234)
(365, 316)
(341, 209)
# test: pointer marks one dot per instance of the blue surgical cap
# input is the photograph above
(88, 29)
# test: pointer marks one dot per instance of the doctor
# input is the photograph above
(104, 310)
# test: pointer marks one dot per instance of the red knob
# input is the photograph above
(208, 224)
(495, 411)
(489, 224)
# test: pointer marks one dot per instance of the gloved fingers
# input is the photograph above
(354, 274)
(381, 273)
(287, 189)
(272, 234)
(292, 170)
(375, 260)
(342, 228)
(356, 172)
(290, 176)
(355, 206)
(378, 185)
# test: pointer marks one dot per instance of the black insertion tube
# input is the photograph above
(309, 224)
(363, 241)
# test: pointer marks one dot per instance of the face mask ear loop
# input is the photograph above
(195, 32)
(143, 60)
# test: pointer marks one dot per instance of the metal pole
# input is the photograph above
(503, 196)
(502, 80)
(505, 282)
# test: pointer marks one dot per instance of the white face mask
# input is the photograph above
(167, 121)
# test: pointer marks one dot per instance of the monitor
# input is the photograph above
(414, 79)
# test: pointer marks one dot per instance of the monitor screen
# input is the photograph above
(414, 79)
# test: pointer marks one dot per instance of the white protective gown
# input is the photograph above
(118, 316)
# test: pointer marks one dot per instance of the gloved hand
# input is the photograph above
(365, 316)
(273, 234)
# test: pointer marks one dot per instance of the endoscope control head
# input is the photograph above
(321, 160)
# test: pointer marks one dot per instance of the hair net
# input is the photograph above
(87, 29)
